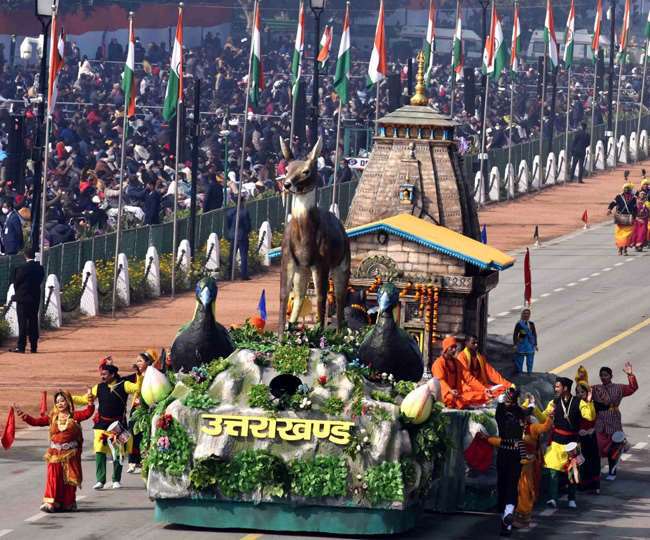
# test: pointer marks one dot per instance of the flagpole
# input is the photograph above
(566, 131)
(638, 126)
(453, 72)
(541, 122)
(243, 146)
(618, 108)
(336, 160)
(179, 110)
(483, 184)
(594, 102)
(510, 124)
(118, 232)
(46, 153)
(377, 109)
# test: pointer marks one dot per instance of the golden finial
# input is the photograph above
(420, 97)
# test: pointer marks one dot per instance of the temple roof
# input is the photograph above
(417, 115)
(439, 239)
(436, 238)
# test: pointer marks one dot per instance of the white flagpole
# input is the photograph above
(541, 122)
(176, 191)
(484, 195)
(336, 159)
(567, 173)
(618, 108)
(243, 146)
(377, 109)
(638, 126)
(594, 103)
(118, 232)
(453, 73)
(510, 125)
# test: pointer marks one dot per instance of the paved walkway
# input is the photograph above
(68, 358)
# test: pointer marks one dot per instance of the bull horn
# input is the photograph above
(286, 150)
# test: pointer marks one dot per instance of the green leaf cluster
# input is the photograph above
(403, 388)
(174, 460)
(385, 483)
(199, 400)
(323, 476)
(333, 406)
(378, 395)
(259, 395)
(432, 440)
(291, 359)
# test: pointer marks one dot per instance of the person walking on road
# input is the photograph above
(581, 141)
(27, 280)
(241, 243)
(590, 469)
(524, 339)
(624, 205)
(640, 230)
(609, 428)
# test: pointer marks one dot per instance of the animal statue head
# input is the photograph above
(387, 297)
(206, 293)
(301, 177)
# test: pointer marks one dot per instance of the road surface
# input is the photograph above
(590, 306)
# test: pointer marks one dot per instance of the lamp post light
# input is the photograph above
(44, 9)
(317, 7)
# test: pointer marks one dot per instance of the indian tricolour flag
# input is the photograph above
(515, 45)
(595, 41)
(625, 30)
(174, 93)
(377, 70)
(494, 55)
(128, 77)
(457, 57)
(429, 43)
(296, 61)
(343, 62)
(56, 63)
(256, 83)
(325, 46)
(549, 35)
(569, 37)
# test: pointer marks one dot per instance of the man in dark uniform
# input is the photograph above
(581, 142)
(241, 243)
(152, 201)
(27, 280)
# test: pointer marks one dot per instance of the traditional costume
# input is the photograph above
(454, 377)
(479, 368)
(590, 469)
(112, 400)
(608, 397)
(568, 414)
(640, 230)
(625, 205)
(63, 457)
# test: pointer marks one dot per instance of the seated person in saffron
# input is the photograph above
(459, 389)
(479, 368)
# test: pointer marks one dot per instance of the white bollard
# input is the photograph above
(495, 184)
(510, 180)
(89, 304)
(622, 149)
(549, 171)
(265, 243)
(523, 177)
(643, 143)
(212, 249)
(184, 257)
(632, 147)
(537, 173)
(152, 281)
(587, 163)
(122, 286)
(562, 167)
(600, 156)
(334, 208)
(53, 302)
(12, 316)
(478, 192)
(611, 153)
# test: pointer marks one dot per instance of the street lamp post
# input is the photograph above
(317, 7)
(43, 11)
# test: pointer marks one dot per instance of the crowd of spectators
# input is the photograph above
(84, 160)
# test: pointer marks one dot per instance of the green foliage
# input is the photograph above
(404, 387)
(217, 366)
(385, 483)
(248, 337)
(379, 414)
(408, 473)
(378, 395)
(198, 400)
(323, 476)
(432, 440)
(291, 359)
(172, 460)
(5, 330)
(259, 395)
(205, 474)
(161, 406)
(333, 406)
(252, 469)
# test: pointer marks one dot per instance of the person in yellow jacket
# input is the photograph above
(568, 412)
(112, 396)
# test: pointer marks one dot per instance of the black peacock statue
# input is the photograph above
(202, 339)
(388, 348)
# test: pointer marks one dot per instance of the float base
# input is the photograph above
(280, 517)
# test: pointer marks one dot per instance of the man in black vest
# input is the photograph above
(27, 280)
(112, 395)
(568, 410)
(581, 141)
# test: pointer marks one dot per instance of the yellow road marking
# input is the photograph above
(251, 537)
(600, 347)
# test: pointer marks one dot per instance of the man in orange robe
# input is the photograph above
(459, 389)
(478, 366)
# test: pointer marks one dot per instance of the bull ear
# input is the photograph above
(286, 150)
(315, 151)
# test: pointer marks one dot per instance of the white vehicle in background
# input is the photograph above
(414, 35)
(581, 47)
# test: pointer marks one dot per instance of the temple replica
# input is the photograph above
(293, 432)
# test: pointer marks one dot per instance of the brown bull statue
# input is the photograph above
(314, 246)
